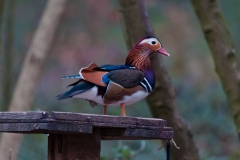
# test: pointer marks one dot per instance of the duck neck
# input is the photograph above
(141, 60)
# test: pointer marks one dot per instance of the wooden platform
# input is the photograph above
(78, 136)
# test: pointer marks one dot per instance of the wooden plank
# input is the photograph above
(69, 128)
(115, 120)
(45, 120)
(153, 134)
(22, 127)
(23, 115)
(66, 117)
(113, 125)
(135, 134)
(44, 128)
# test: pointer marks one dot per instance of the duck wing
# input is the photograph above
(127, 78)
(78, 88)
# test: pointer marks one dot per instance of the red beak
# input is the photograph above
(162, 51)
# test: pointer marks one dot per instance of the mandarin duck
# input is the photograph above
(118, 85)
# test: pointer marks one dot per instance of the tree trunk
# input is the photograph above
(227, 62)
(162, 100)
(7, 79)
(31, 72)
(1, 22)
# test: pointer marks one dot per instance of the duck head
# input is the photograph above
(139, 55)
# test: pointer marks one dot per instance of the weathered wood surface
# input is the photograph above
(78, 136)
(110, 127)
(74, 146)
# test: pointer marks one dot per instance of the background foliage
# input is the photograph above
(91, 31)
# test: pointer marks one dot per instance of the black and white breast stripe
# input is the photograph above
(145, 84)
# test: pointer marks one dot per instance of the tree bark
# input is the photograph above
(162, 100)
(1, 21)
(227, 61)
(8, 56)
(31, 72)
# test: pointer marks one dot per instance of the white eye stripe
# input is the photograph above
(149, 41)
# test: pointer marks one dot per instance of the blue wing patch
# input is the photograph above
(106, 79)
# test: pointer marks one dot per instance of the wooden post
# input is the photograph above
(76, 136)
(74, 146)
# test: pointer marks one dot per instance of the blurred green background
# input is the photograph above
(91, 31)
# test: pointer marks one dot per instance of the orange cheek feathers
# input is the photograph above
(156, 47)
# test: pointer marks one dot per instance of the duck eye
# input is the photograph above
(153, 42)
